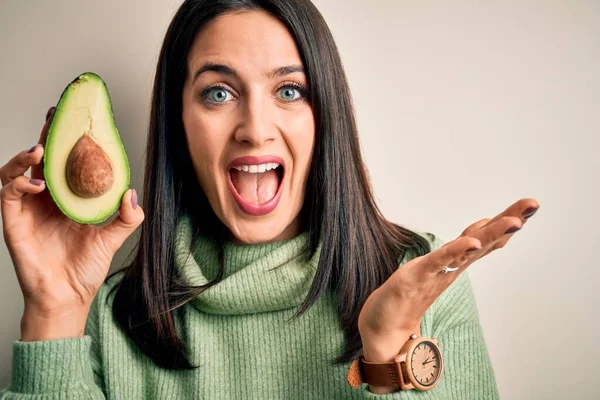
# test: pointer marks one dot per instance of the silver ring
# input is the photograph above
(449, 269)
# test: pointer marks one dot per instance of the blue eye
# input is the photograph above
(289, 93)
(218, 95)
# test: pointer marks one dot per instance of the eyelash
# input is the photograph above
(303, 90)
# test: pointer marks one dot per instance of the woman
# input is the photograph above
(264, 267)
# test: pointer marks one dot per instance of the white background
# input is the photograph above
(464, 107)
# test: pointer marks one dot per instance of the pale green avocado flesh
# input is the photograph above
(85, 109)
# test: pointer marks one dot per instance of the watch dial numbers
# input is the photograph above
(425, 363)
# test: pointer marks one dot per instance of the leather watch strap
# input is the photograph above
(380, 374)
(376, 374)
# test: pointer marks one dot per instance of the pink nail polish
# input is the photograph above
(512, 230)
(36, 182)
(134, 199)
(50, 112)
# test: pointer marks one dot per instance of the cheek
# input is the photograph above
(301, 140)
(206, 145)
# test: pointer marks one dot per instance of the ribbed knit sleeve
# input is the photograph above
(453, 319)
(52, 369)
(58, 369)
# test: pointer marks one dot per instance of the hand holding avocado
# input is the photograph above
(61, 260)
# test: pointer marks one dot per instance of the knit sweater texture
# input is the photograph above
(241, 335)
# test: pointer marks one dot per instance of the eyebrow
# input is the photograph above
(224, 69)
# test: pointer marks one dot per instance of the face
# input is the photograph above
(249, 125)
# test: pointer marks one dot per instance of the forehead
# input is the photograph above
(249, 40)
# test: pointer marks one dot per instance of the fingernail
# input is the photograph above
(50, 112)
(472, 249)
(512, 230)
(529, 212)
(31, 150)
(134, 199)
(36, 182)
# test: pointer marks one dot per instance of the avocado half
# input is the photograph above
(85, 164)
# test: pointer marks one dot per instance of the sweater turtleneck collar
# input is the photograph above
(258, 277)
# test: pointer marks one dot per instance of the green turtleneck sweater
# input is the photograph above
(240, 334)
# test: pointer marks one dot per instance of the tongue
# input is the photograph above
(255, 188)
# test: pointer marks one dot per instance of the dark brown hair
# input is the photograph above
(360, 248)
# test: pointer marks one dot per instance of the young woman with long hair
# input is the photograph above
(264, 268)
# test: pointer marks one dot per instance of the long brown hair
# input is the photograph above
(360, 248)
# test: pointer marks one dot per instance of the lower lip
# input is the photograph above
(254, 209)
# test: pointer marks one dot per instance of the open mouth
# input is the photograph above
(256, 187)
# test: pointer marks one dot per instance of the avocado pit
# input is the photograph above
(89, 170)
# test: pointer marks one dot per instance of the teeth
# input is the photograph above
(257, 169)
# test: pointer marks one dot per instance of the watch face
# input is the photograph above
(425, 363)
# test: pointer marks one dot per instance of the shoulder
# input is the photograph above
(435, 241)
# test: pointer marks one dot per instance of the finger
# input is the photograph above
(37, 169)
(522, 209)
(130, 217)
(495, 239)
(496, 245)
(488, 251)
(492, 237)
(19, 164)
(12, 194)
(501, 241)
(475, 226)
(471, 228)
(49, 114)
(506, 225)
(447, 255)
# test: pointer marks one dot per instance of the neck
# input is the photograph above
(258, 277)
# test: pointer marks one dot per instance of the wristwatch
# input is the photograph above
(419, 365)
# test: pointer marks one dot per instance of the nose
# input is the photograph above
(257, 126)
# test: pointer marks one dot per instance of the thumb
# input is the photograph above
(130, 217)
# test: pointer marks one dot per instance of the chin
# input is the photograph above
(254, 232)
